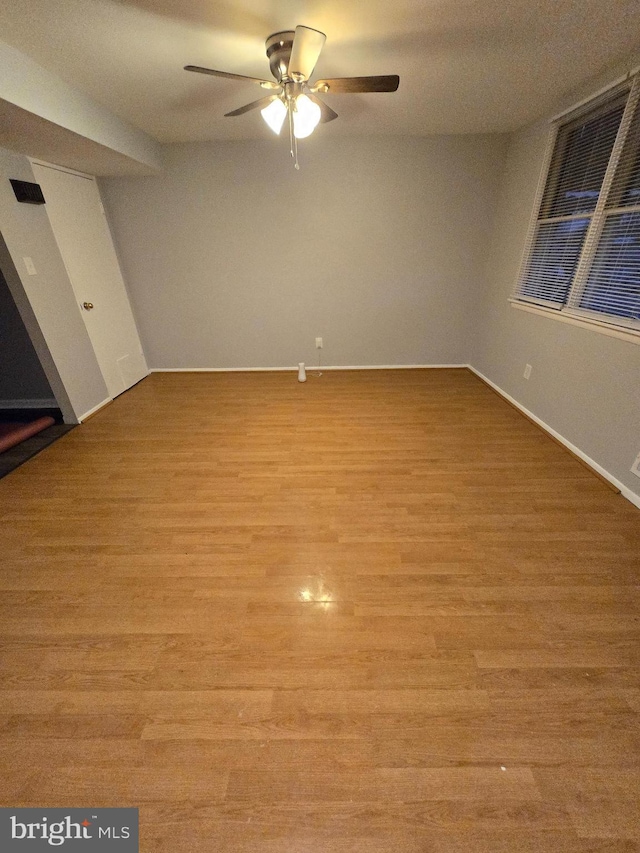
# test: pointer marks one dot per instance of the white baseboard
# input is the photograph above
(625, 491)
(95, 409)
(47, 403)
(219, 369)
(310, 367)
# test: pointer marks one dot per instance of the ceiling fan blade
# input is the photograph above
(326, 113)
(307, 44)
(348, 85)
(266, 84)
(261, 103)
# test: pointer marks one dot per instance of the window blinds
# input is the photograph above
(583, 250)
(612, 279)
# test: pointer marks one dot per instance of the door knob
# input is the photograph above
(87, 306)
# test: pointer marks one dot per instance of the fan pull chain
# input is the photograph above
(293, 142)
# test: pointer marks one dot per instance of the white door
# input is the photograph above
(82, 233)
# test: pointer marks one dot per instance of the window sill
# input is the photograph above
(629, 335)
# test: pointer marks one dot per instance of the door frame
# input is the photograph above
(36, 161)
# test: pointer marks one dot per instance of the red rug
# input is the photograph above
(13, 433)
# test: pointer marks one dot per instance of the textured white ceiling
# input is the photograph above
(465, 66)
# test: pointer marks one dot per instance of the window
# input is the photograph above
(582, 256)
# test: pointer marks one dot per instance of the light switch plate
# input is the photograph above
(31, 269)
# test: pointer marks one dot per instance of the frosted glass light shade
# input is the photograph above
(274, 115)
(306, 116)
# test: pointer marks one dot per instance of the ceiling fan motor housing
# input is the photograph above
(278, 48)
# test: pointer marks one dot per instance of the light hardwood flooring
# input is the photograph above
(379, 612)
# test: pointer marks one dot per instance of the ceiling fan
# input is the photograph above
(292, 58)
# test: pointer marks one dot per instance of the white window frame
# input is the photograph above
(620, 327)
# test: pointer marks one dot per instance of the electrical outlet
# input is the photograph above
(527, 371)
(635, 468)
(318, 343)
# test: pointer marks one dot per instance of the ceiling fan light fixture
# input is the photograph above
(306, 116)
(275, 114)
(293, 56)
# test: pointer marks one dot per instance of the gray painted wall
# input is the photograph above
(234, 259)
(21, 374)
(46, 301)
(584, 384)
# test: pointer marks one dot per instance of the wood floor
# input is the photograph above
(379, 612)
